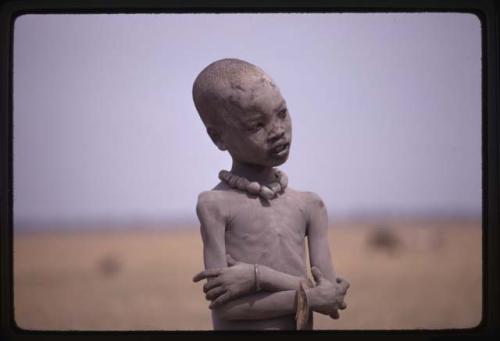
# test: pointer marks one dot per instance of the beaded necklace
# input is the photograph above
(253, 187)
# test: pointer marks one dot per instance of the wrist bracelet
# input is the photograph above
(257, 277)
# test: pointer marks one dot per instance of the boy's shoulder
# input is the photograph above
(214, 200)
(308, 198)
(215, 207)
(217, 195)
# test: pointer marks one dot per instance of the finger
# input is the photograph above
(219, 300)
(214, 293)
(211, 283)
(318, 276)
(206, 273)
(344, 285)
(335, 314)
(344, 282)
(230, 260)
(342, 305)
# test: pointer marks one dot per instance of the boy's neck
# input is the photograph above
(261, 174)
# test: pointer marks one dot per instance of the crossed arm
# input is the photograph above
(231, 285)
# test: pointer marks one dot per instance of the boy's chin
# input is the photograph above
(267, 163)
(270, 160)
(278, 162)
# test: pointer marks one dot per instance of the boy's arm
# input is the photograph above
(317, 237)
(319, 249)
(213, 225)
(239, 279)
(261, 306)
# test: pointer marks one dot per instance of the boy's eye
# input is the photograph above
(282, 113)
(256, 127)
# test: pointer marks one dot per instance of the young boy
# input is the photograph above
(252, 214)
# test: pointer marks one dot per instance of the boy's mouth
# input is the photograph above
(281, 149)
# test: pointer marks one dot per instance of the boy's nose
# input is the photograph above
(277, 132)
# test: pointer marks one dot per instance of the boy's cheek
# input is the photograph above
(257, 140)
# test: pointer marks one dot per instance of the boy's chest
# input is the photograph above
(254, 220)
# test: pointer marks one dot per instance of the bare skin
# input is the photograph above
(240, 230)
(273, 237)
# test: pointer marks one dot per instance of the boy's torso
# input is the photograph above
(267, 233)
(270, 233)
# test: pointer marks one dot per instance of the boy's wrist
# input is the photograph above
(257, 277)
(263, 272)
(268, 278)
(311, 298)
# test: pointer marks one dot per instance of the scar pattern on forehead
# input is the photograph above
(263, 81)
(236, 86)
(240, 95)
(252, 95)
(266, 80)
(243, 93)
(243, 99)
(235, 99)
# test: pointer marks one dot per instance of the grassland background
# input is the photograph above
(427, 274)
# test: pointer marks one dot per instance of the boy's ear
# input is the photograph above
(216, 138)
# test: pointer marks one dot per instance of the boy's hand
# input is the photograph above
(327, 297)
(224, 284)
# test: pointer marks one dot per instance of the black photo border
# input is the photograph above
(487, 12)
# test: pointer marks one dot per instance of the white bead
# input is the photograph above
(266, 193)
(253, 187)
(275, 187)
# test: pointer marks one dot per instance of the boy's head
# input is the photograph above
(244, 112)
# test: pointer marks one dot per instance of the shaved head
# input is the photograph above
(224, 86)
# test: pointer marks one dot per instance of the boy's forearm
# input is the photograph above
(273, 280)
(259, 306)
(267, 305)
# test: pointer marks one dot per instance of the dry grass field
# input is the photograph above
(403, 275)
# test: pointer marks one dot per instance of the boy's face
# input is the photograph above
(258, 127)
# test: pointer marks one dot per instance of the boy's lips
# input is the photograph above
(280, 149)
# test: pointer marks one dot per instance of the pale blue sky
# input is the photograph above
(386, 110)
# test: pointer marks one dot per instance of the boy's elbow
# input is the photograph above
(229, 311)
(222, 313)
